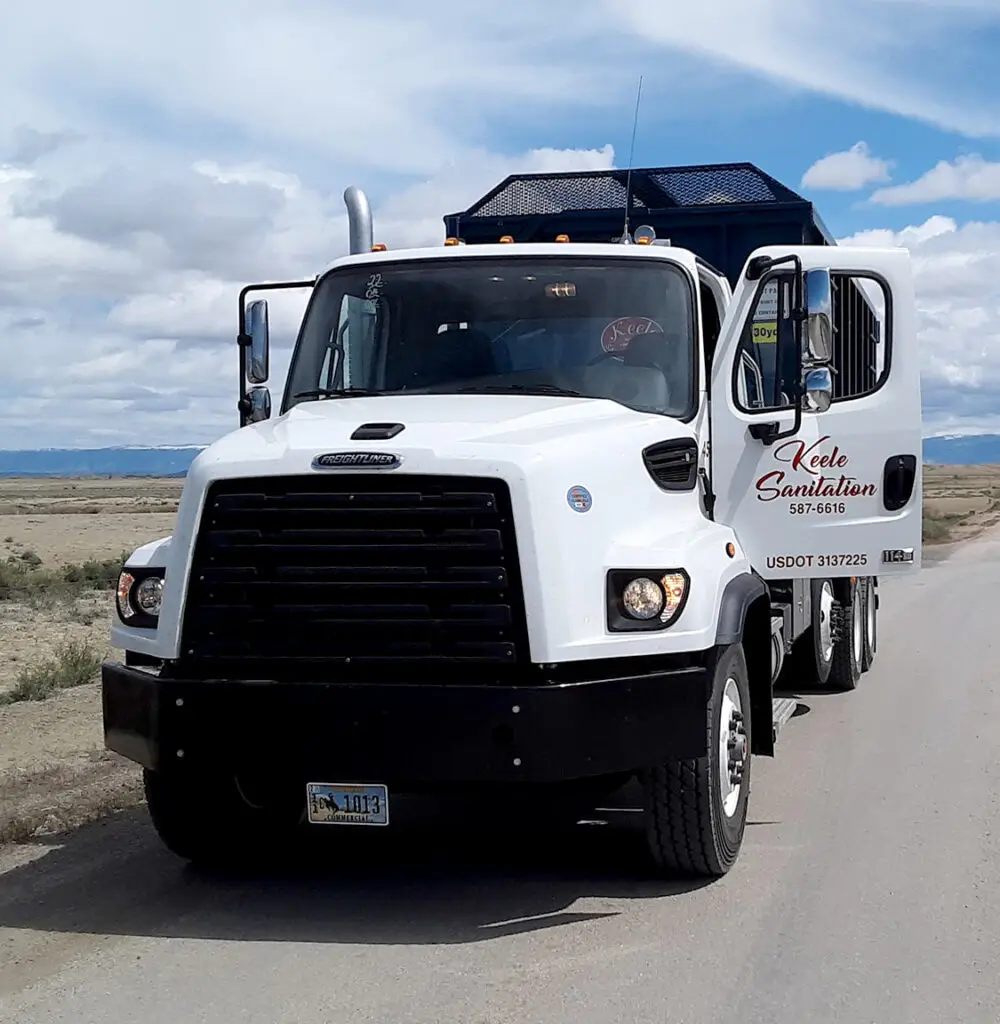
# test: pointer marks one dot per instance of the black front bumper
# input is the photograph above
(409, 735)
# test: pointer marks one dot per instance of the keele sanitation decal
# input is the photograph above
(817, 470)
(618, 335)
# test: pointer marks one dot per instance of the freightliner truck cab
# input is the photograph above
(552, 506)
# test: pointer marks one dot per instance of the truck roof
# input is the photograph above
(721, 212)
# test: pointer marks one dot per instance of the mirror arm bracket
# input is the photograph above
(769, 432)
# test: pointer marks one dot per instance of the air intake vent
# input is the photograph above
(673, 464)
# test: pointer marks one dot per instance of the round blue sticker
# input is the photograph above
(579, 499)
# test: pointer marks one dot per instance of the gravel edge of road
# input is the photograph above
(65, 796)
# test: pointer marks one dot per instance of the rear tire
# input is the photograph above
(871, 625)
(849, 643)
(696, 810)
(812, 655)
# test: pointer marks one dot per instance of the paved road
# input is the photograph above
(868, 889)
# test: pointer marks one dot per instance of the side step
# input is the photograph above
(782, 708)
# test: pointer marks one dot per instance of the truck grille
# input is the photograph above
(295, 576)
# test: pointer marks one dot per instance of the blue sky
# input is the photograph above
(155, 158)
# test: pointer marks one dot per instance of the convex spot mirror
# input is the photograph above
(817, 389)
(258, 405)
(258, 351)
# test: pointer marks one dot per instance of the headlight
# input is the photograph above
(147, 595)
(140, 593)
(645, 599)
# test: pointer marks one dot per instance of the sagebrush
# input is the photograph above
(74, 663)
(23, 577)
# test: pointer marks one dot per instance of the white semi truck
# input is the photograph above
(547, 508)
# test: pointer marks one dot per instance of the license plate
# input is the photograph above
(332, 803)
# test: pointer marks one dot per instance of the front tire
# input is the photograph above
(209, 821)
(696, 810)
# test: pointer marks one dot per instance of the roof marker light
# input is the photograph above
(507, 239)
(562, 238)
(379, 247)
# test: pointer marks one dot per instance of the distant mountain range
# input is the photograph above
(963, 449)
(166, 461)
(128, 461)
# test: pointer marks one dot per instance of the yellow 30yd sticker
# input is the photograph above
(765, 333)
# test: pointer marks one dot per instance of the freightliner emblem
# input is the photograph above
(357, 460)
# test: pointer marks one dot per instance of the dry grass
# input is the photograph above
(81, 788)
(75, 663)
(960, 502)
(61, 547)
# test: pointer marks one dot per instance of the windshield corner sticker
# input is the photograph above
(618, 335)
(819, 472)
(579, 499)
(373, 288)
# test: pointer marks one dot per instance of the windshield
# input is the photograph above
(600, 328)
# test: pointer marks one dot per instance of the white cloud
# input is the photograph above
(390, 86)
(152, 160)
(130, 288)
(884, 55)
(968, 177)
(957, 280)
(847, 171)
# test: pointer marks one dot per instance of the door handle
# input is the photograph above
(898, 478)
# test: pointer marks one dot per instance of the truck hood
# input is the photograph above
(456, 426)
(581, 496)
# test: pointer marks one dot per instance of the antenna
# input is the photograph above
(631, 154)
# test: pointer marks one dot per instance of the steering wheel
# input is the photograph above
(601, 356)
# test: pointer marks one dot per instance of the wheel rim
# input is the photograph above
(732, 748)
(858, 626)
(826, 621)
(870, 619)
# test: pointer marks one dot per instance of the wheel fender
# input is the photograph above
(740, 593)
(745, 618)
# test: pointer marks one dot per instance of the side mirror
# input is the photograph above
(258, 405)
(817, 389)
(817, 343)
(258, 352)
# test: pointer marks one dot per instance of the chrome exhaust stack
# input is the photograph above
(359, 219)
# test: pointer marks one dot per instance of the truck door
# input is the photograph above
(825, 480)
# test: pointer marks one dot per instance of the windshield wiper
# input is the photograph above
(523, 389)
(337, 393)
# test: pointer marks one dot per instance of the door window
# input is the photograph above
(766, 369)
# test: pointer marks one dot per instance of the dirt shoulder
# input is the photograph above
(960, 503)
(61, 543)
(54, 771)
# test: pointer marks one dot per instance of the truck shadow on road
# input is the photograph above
(114, 878)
